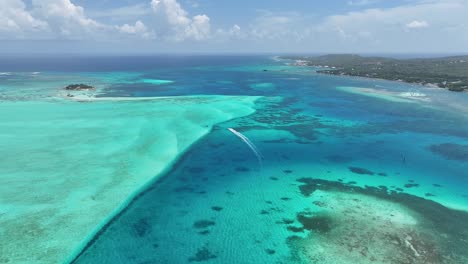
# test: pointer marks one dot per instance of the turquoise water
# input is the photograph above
(348, 175)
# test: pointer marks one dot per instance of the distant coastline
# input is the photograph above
(447, 72)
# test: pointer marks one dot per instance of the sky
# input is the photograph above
(234, 26)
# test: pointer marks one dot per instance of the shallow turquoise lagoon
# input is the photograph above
(353, 170)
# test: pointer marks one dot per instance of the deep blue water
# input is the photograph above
(219, 205)
(93, 63)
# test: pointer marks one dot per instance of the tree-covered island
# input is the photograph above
(446, 72)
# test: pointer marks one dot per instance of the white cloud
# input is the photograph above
(51, 19)
(179, 25)
(362, 2)
(389, 28)
(14, 18)
(124, 12)
(417, 24)
(370, 29)
(235, 30)
(66, 18)
(272, 26)
(199, 28)
(193, 3)
(227, 35)
(139, 29)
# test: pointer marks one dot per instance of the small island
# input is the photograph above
(446, 72)
(79, 87)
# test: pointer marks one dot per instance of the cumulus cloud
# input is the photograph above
(235, 30)
(180, 25)
(398, 28)
(233, 33)
(15, 19)
(368, 30)
(417, 24)
(66, 18)
(441, 13)
(379, 28)
(123, 12)
(139, 29)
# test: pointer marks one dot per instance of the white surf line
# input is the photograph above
(249, 144)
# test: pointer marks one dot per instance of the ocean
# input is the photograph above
(146, 170)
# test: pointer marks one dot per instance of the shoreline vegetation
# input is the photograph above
(448, 72)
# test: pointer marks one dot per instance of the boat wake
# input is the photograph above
(249, 144)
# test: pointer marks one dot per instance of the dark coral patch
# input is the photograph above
(216, 208)
(242, 169)
(361, 171)
(429, 195)
(440, 217)
(295, 229)
(273, 178)
(301, 131)
(142, 227)
(317, 223)
(319, 203)
(451, 151)
(437, 218)
(287, 221)
(276, 209)
(281, 140)
(204, 232)
(270, 251)
(285, 198)
(287, 171)
(203, 254)
(203, 224)
(411, 185)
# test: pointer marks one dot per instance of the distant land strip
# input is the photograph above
(446, 72)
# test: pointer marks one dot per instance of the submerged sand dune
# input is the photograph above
(385, 94)
(67, 166)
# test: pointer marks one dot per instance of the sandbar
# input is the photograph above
(68, 166)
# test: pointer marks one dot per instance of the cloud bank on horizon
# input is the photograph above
(201, 25)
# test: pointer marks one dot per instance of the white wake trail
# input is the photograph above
(249, 144)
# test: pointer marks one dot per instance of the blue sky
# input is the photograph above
(295, 26)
